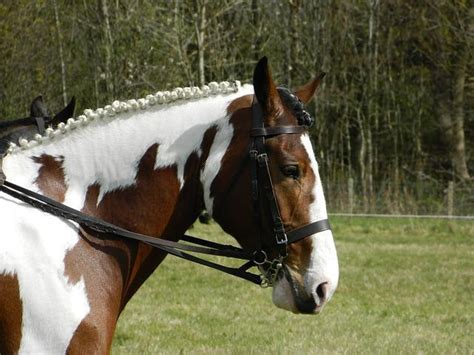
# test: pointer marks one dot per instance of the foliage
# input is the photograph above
(395, 110)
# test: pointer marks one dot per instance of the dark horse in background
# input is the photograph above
(12, 131)
(36, 123)
(150, 166)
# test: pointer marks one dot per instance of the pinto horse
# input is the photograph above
(151, 166)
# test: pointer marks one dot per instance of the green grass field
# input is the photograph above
(406, 286)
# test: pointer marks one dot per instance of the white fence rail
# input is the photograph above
(470, 218)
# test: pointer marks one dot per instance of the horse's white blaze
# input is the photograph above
(33, 244)
(323, 265)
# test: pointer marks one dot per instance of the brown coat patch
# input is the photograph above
(97, 262)
(51, 180)
(114, 269)
(11, 313)
(231, 187)
(109, 264)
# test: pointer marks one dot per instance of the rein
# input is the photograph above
(260, 181)
(203, 246)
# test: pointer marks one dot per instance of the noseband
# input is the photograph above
(261, 183)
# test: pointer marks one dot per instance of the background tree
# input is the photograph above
(394, 116)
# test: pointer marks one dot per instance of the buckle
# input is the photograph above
(280, 234)
(281, 237)
(253, 154)
(262, 158)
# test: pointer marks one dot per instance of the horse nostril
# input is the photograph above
(322, 293)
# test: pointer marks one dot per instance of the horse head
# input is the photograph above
(304, 274)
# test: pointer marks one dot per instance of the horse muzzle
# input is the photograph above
(290, 294)
(308, 288)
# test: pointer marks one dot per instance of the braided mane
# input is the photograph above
(110, 111)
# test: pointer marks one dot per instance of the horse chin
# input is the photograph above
(289, 294)
(282, 295)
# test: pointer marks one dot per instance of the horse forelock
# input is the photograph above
(296, 106)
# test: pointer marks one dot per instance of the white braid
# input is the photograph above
(159, 98)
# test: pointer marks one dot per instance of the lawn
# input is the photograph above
(406, 286)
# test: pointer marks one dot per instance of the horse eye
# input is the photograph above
(292, 171)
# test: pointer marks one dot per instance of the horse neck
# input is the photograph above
(135, 150)
(145, 172)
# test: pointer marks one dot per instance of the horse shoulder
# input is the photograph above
(32, 249)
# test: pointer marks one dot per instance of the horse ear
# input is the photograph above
(38, 108)
(65, 114)
(265, 89)
(306, 92)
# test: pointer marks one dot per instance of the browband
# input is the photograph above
(273, 131)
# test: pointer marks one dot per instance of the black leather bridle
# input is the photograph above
(261, 183)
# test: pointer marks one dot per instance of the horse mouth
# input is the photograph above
(304, 303)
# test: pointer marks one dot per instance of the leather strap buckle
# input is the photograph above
(262, 159)
(253, 154)
(280, 234)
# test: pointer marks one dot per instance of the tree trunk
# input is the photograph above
(449, 86)
(61, 54)
(257, 30)
(371, 103)
(459, 82)
(182, 51)
(108, 43)
(293, 49)
(361, 159)
(458, 146)
(200, 28)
